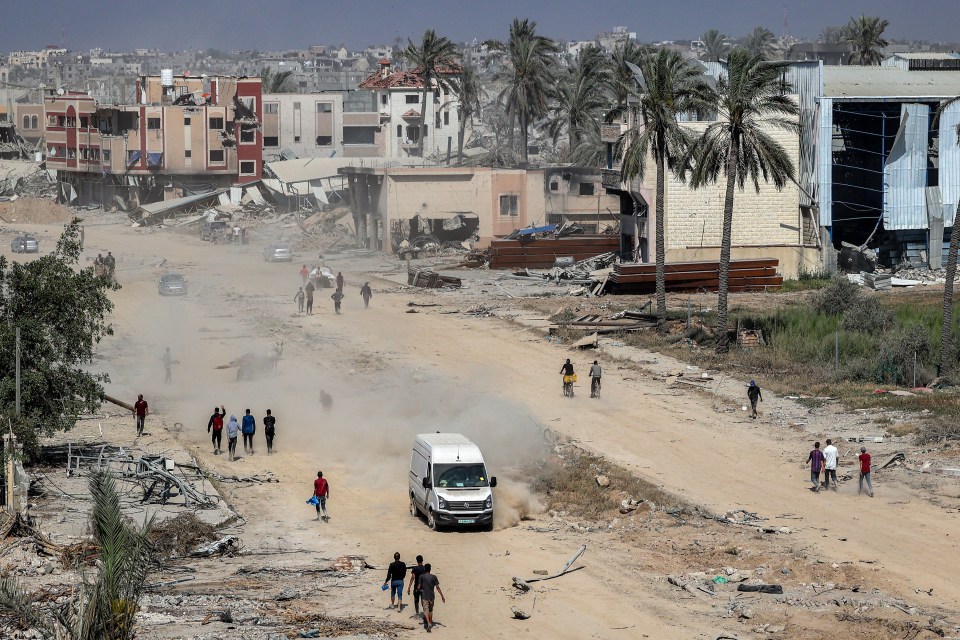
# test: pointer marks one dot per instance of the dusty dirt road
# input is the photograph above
(394, 374)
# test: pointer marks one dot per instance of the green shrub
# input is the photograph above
(866, 314)
(837, 296)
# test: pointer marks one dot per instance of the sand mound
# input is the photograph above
(35, 211)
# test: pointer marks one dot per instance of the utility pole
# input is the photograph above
(17, 357)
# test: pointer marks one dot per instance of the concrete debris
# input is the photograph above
(432, 280)
(226, 546)
(894, 460)
(603, 481)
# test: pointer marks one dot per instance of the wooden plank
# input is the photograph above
(682, 267)
(692, 276)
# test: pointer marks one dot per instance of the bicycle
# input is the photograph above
(568, 385)
(595, 388)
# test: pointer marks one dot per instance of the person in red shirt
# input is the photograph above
(140, 410)
(864, 459)
(304, 274)
(321, 489)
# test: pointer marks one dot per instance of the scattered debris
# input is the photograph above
(432, 280)
(226, 546)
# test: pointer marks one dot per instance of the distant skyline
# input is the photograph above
(171, 25)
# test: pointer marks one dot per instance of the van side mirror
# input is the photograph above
(426, 483)
(493, 482)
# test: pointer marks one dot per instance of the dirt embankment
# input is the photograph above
(35, 211)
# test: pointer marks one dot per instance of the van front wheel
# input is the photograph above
(432, 520)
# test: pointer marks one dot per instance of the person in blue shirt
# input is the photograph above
(248, 428)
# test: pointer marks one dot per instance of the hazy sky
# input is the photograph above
(258, 24)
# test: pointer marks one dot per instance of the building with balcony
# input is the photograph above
(184, 135)
(399, 99)
(321, 125)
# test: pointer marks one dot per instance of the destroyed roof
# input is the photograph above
(308, 169)
(164, 206)
(403, 79)
(888, 82)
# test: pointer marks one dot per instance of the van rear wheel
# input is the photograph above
(414, 511)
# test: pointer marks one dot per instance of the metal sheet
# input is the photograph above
(905, 173)
(949, 162)
(806, 80)
(825, 161)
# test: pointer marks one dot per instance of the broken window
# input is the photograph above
(216, 123)
(509, 205)
(84, 122)
(413, 98)
(187, 153)
(586, 188)
(248, 135)
(359, 135)
(186, 121)
(128, 120)
(554, 186)
(324, 141)
(324, 107)
(153, 124)
(383, 98)
(271, 108)
(413, 133)
(271, 141)
(216, 156)
(51, 121)
(248, 168)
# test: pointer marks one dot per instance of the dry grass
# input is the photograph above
(177, 536)
(567, 481)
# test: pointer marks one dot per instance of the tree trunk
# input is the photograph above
(661, 253)
(723, 340)
(460, 136)
(423, 114)
(945, 367)
(524, 138)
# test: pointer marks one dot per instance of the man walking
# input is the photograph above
(339, 281)
(167, 360)
(248, 428)
(830, 455)
(304, 274)
(595, 373)
(396, 574)
(269, 430)
(366, 293)
(141, 411)
(864, 459)
(309, 289)
(215, 426)
(337, 297)
(754, 395)
(429, 585)
(299, 298)
(415, 574)
(321, 489)
(233, 430)
(816, 465)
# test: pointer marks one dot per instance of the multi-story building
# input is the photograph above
(321, 125)
(400, 100)
(183, 135)
(34, 59)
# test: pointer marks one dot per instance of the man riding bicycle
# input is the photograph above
(568, 378)
(595, 373)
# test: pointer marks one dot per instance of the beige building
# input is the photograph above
(391, 205)
(317, 125)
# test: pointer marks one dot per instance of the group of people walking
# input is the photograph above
(246, 426)
(423, 583)
(304, 296)
(825, 462)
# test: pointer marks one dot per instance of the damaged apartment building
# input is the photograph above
(185, 135)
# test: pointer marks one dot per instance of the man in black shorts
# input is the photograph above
(415, 574)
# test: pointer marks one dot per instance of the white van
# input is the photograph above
(449, 482)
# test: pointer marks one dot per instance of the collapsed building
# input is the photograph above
(185, 135)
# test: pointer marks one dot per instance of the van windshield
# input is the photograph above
(460, 476)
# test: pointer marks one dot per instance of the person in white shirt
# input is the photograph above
(830, 455)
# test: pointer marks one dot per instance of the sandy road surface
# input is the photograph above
(393, 374)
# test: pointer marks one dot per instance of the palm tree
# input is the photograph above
(715, 45)
(274, 81)
(760, 41)
(672, 87)
(748, 100)
(945, 367)
(432, 58)
(103, 607)
(619, 78)
(577, 98)
(865, 35)
(529, 79)
(470, 94)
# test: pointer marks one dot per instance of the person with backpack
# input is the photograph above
(215, 426)
(269, 430)
(248, 428)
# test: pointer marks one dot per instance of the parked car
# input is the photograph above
(172, 284)
(214, 231)
(25, 244)
(278, 253)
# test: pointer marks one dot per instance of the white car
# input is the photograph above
(278, 253)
